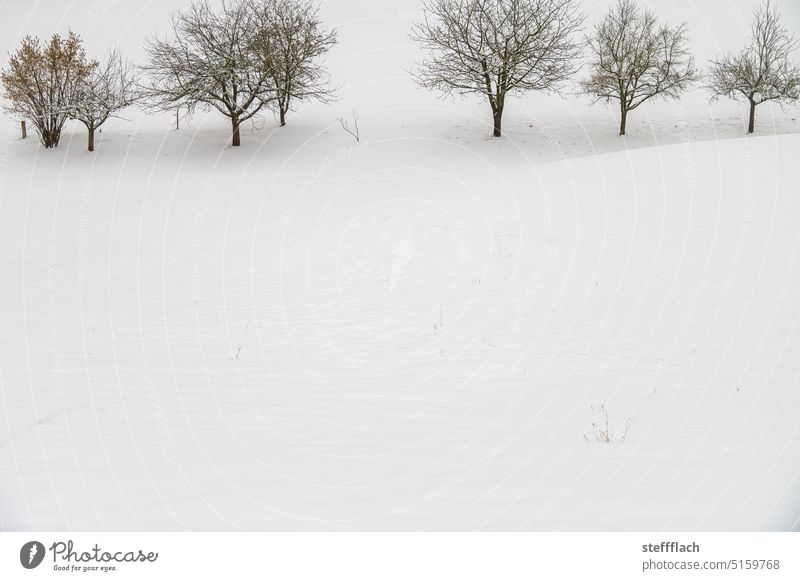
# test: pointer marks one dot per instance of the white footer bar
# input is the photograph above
(400, 556)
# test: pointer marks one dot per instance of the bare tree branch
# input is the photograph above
(345, 123)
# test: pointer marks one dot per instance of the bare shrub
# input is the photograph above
(109, 88)
(601, 432)
(42, 82)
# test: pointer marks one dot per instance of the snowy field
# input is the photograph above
(416, 331)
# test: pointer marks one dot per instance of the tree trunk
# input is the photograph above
(752, 126)
(623, 120)
(283, 116)
(50, 138)
(235, 142)
(23, 129)
(91, 138)
(497, 115)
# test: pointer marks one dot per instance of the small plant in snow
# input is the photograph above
(351, 129)
(601, 432)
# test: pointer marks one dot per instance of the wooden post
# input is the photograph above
(23, 129)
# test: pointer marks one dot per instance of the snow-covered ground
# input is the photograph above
(416, 331)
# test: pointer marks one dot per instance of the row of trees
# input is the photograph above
(497, 48)
(47, 84)
(256, 54)
(249, 55)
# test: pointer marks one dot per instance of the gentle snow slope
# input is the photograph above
(406, 334)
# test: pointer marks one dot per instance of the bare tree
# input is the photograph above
(634, 59)
(42, 81)
(497, 47)
(353, 131)
(292, 40)
(764, 70)
(109, 88)
(211, 61)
